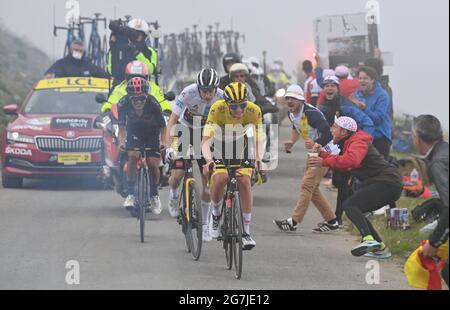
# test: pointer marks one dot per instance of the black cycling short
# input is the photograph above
(134, 142)
(179, 164)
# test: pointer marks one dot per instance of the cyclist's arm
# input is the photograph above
(208, 133)
(260, 135)
(206, 150)
(122, 125)
(122, 134)
(173, 121)
(122, 119)
(164, 140)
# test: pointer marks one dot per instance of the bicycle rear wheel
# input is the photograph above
(142, 196)
(194, 224)
(238, 231)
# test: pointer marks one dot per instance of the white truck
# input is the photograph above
(345, 39)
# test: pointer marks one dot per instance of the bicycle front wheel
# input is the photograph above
(194, 223)
(238, 231)
(143, 185)
(227, 237)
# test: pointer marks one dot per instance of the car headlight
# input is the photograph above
(20, 138)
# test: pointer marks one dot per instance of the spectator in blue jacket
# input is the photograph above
(336, 105)
(374, 101)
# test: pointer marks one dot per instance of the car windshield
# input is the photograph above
(62, 101)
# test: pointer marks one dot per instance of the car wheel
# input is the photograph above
(11, 182)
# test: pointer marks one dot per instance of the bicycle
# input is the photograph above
(232, 229)
(142, 189)
(190, 215)
(96, 52)
(70, 36)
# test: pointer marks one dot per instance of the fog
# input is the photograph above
(415, 31)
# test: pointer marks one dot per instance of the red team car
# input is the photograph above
(53, 132)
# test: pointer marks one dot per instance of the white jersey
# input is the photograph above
(189, 104)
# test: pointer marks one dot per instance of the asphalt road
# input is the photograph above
(49, 223)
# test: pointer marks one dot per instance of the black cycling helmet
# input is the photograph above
(208, 79)
(230, 57)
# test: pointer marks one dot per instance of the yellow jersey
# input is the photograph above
(220, 121)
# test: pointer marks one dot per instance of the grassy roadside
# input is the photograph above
(401, 242)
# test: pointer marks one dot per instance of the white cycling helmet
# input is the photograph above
(139, 25)
(255, 61)
(238, 68)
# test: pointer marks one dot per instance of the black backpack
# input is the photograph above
(428, 211)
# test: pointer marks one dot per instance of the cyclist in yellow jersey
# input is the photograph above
(232, 119)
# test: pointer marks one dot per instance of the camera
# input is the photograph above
(119, 27)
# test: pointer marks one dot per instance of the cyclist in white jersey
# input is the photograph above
(191, 111)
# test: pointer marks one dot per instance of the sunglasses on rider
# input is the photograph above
(235, 106)
(138, 98)
(239, 76)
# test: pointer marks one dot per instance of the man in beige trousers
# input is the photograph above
(310, 124)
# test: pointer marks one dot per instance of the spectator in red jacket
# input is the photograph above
(381, 182)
